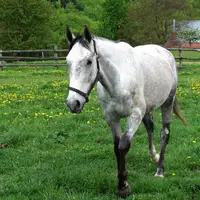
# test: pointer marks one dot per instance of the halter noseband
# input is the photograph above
(85, 95)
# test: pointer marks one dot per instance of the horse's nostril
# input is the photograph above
(74, 105)
(78, 104)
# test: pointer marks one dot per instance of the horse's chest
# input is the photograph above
(120, 103)
(121, 107)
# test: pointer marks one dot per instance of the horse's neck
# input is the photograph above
(110, 74)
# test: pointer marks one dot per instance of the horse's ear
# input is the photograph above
(69, 34)
(87, 34)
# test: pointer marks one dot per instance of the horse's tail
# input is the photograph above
(177, 111)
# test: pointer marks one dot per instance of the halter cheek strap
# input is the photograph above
(85, 95)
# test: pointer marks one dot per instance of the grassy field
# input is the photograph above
(46, 153)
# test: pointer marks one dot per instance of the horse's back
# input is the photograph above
(159, 72)
(153, 55)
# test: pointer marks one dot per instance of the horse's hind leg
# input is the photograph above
(167, 110)
(149, 125)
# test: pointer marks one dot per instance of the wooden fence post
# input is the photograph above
(180, 57)
(56, 54)
(1, 62)
(43, 55)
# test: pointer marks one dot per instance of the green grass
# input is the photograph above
(46, 153)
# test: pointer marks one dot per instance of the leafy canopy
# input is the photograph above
(114, 15)
(150, 21)
(35, 24)
(25, 24)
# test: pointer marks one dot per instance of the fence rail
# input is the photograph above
(7, 57)
(35, 51)
(180, 57)
(17, 58)
(7, 60)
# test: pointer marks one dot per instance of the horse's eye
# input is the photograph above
(89, 62)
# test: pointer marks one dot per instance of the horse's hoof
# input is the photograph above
(159, 175)
(124, 192)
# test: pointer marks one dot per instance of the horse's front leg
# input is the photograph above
(123, 189)
(122, 144)
(133, 122)
(114, 123)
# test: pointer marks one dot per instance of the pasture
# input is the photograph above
(47, 153)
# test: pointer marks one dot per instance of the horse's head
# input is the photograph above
(82, 68)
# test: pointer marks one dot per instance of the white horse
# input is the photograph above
(131, 82)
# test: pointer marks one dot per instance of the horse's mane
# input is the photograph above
(83, 42)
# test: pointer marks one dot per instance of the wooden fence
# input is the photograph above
(6, 60)
(12, 58)
(180, 57)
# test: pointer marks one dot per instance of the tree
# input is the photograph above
(189, 35)
(25, 24)
(93, 9)
(195, 7)
(149, 21)
(73, 17)
(114, 14)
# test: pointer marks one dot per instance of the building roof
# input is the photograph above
(193, 24)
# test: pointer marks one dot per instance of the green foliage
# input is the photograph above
(93, 9)
(76, 19)
(38, 24)
(150, 21)
(195, 9)
(114, 14)
(189, 35)
(25, 24)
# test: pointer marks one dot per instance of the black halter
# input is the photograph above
(85, 95)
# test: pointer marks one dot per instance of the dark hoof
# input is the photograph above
(124, 192)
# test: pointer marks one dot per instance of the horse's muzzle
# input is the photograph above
(74, 106)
